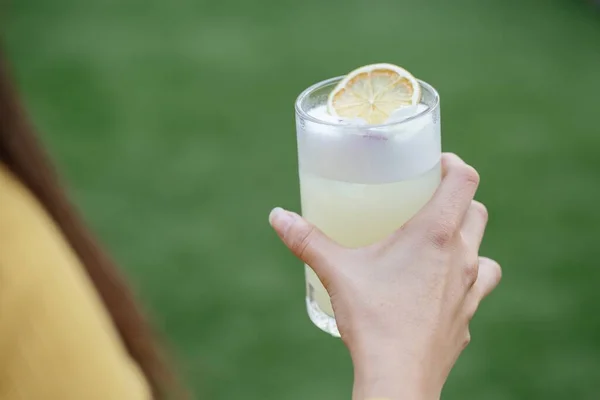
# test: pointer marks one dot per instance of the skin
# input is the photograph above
(403, 305)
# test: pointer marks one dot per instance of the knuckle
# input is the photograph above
(441, 236)
(480, 209)
(469, 174)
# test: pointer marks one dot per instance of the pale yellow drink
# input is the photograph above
(359, 183)
(356, 214)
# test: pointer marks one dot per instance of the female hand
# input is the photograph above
(403, 305)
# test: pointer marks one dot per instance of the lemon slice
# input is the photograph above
(373, 93)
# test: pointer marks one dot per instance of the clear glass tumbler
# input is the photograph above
(359, 183)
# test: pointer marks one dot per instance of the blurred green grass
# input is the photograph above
(173, 123)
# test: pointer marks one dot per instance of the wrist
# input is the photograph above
(388, 374)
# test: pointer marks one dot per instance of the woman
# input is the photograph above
(69, 326)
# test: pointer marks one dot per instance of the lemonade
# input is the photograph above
(365, 169)
(357, 214)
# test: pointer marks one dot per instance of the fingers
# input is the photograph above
(442, 217)
(306, 241)
(473, 226)
(455, 193)
(488, 278)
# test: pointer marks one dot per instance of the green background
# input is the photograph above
(173, 122)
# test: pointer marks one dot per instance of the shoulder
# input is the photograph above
(53, 324)
(27, 234)
(34, 256)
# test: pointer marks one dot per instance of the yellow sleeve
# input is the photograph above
(56, 339)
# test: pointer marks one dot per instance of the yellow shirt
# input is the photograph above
(56, 339)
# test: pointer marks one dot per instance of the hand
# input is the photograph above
(403, 305)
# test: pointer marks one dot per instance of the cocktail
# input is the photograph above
(369, 150)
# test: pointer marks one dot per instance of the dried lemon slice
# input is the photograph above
(373, 93)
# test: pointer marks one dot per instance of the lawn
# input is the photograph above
(173, 123)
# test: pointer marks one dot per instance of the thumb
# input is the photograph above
(305, 240)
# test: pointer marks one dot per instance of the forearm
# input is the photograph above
(383, 376)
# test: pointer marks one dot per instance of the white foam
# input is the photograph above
(353, 151)
(403, 113)
(322, 114)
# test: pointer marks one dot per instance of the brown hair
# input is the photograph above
(21, 152)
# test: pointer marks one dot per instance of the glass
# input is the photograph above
(359, 184)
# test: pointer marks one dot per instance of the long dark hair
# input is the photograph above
(22, 153)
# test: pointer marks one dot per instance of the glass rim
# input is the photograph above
(306, 92)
